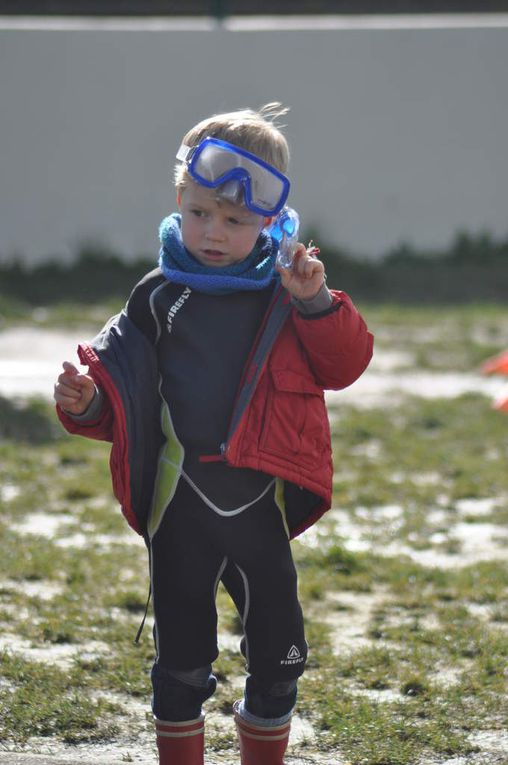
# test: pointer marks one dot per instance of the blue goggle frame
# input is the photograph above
(265, 189)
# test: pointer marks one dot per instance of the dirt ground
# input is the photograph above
(19, 375)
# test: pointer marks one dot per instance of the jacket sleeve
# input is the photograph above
(138, 312)
(100, 429)
(337, 343)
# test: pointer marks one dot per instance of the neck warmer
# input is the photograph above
(255, 272)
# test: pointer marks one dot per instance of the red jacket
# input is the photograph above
(280, 425)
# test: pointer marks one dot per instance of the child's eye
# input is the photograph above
(197, 213)
(234, 221)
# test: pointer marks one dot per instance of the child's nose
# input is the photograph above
(215, 229)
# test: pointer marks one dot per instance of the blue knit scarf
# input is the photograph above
(255, 272)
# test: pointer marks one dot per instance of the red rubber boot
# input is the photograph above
(181, 743)
(259, 745)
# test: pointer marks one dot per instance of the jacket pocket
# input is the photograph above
(295, 425)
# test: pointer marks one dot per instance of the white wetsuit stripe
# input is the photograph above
(246, 608)
(216, 509)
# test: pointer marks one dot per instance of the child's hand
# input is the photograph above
(307, 275)
(74, 391)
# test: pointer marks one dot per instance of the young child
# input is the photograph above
(210, 386)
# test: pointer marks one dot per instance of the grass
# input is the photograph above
(41, 700)
(70, 315)
(455, 338)
(407, 661)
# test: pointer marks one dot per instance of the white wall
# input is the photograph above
(397, 134)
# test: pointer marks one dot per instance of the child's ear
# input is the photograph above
(268, 222)
(178, 198)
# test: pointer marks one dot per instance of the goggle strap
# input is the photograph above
(183, 152)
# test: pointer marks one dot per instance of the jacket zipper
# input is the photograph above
(281, 301)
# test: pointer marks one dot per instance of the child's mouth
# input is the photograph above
(213, 254)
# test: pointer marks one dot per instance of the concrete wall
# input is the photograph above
(397, 134)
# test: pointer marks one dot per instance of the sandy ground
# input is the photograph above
(31, 759)
(31, 358)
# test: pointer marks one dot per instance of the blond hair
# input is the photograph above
(254, 131)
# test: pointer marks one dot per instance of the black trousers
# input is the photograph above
(193, 549)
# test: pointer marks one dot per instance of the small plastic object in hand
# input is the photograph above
(285, 230)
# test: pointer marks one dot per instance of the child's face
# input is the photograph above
(216, 232)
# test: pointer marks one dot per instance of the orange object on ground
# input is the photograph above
(501, 405)
(496, 365)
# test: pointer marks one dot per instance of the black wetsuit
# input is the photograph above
(222, 523)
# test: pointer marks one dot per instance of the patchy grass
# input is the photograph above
(422, 453)
(455, 338)
(41, 700)
(70, 315)
(404, 681)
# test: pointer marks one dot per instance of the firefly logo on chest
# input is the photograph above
(176, 307)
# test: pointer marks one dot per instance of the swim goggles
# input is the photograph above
(213, 163)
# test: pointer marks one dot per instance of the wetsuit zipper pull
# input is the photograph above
(220, 457)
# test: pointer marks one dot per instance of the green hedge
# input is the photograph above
(472, 268)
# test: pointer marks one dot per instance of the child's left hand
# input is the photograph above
(306, 276)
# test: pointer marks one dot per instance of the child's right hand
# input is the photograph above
(74, 391)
